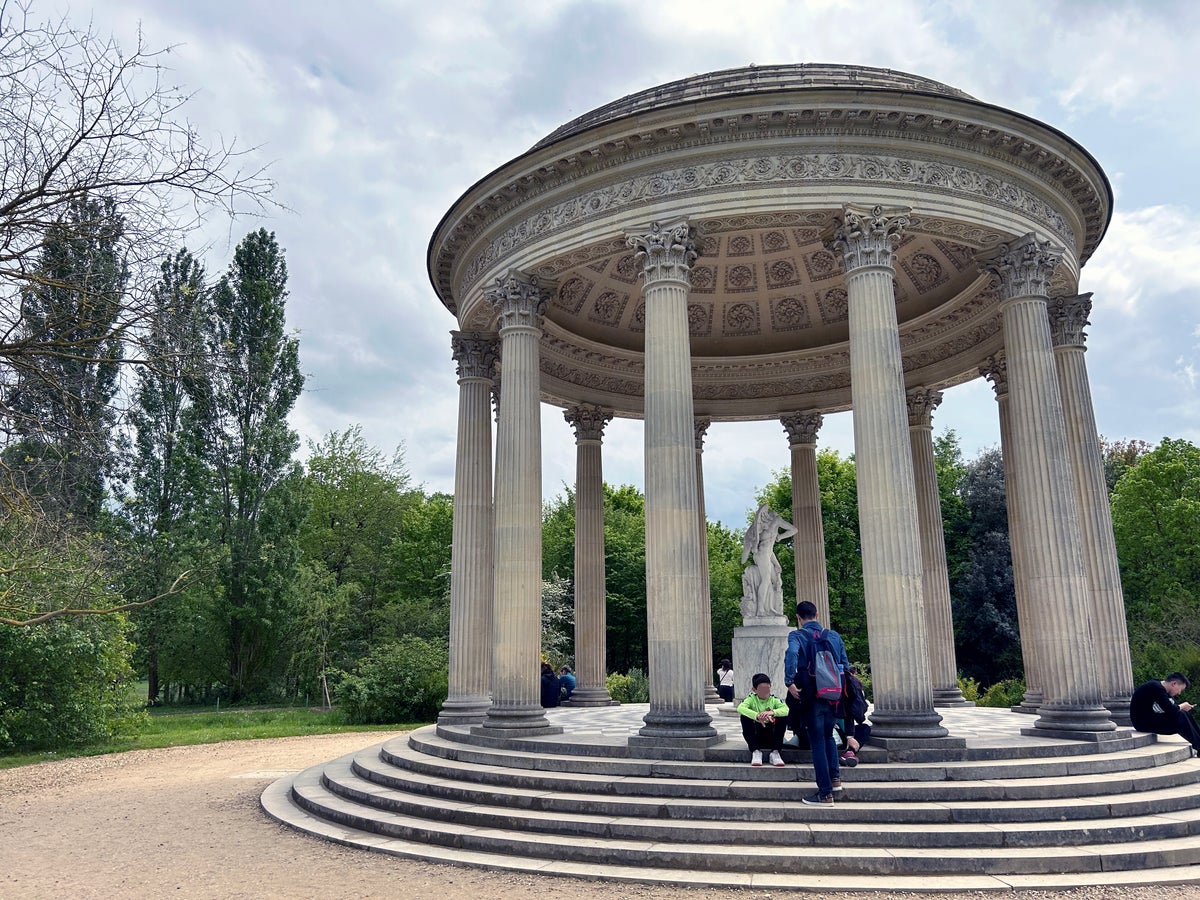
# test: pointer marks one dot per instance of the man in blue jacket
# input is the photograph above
(817, 716)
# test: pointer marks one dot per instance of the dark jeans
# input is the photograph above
(1183, 725)
(763, 737)
(819, 717)
(725, 692)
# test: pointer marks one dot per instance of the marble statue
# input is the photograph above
(762, 582)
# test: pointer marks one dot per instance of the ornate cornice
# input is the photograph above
(921, 403)
(802, 427)
(995, 370)
(666, 251)
(519, 300)
(475, 353)
(868, 237)
(1023, 267)
(588, 421)
(976, 183)
(1068, 318)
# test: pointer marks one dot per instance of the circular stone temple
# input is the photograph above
(780, 242)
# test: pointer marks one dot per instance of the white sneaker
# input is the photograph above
(756, 758)
(776, 759)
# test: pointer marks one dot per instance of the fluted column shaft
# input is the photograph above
(808, 544)
(516, 709)
(1059, 597)
(710, 689)
(939, 620)
(1068, 317)
(590, 591)
(470, 673)
(674, 612)
(996, 371)
(887, 501)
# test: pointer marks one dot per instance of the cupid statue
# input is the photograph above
(762, 582)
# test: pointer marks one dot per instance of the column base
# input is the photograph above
(515, 721)
(1077, 722)
(758, 646)
(590, 696)
(711, 697)
(468, 710)
(950, 697)
(671, 725)
(1030, 703)
(909, 724)
(1118, 710)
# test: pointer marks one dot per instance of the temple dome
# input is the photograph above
(753, 80)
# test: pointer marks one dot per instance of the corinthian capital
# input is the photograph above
(1024, 266)
(868, 237)
(588, 421)
(995, 370)
(802, 427)
(700, 424)
(666, 251)
(921, 404)
(475, 353)
(1068, 318)
(519, 300)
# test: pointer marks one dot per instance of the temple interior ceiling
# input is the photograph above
(755, 291)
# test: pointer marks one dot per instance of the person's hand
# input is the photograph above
(852, 743)
(1185, 706)
(794, 691)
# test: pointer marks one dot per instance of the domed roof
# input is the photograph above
(753, 80)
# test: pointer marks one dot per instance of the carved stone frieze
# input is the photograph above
(588, 420)
(1023, 266)
(868, 237)
(475, 353)
(978, 182)
(802, 427)
(1068, 319)
(921, 403)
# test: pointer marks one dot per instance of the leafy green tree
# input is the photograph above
(1156, 516)
(987, 642)
(403, 681)
(419, 598)
(65, 382)
(725, 587)
(242, 408)
(1118, 456)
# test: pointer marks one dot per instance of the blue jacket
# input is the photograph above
(799, 640)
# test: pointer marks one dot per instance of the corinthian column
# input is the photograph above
(1068, 317)
(939, 622)
(673, 565)
(590, 593)
(995, 370)
(471, 546)
(808, 544)
(516, 710)
(1059, 597)
(887, 501)
(710, 690)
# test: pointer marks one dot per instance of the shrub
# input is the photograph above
(66, 683)
(969, 688)
(405, 681)
(1008, 692)
(631, 688)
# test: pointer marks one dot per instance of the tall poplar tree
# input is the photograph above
(254, 382)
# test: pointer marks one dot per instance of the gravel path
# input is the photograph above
(185, 822)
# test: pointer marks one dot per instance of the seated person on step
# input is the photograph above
(764, 720)
(1153, 708)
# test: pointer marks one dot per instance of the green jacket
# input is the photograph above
(752, 706)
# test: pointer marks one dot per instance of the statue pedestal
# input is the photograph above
(758, 646)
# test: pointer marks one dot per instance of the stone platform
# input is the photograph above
(1007, 810)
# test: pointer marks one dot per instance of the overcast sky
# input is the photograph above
(376, 116)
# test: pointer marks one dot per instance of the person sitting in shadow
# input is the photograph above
(1153, 708)
(550, 686)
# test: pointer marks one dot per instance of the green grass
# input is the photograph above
(178, 728)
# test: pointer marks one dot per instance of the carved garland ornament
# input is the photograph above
(976, 182)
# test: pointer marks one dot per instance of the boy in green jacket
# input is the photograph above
(764, 721)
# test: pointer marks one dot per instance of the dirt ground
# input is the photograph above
(185, 822)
